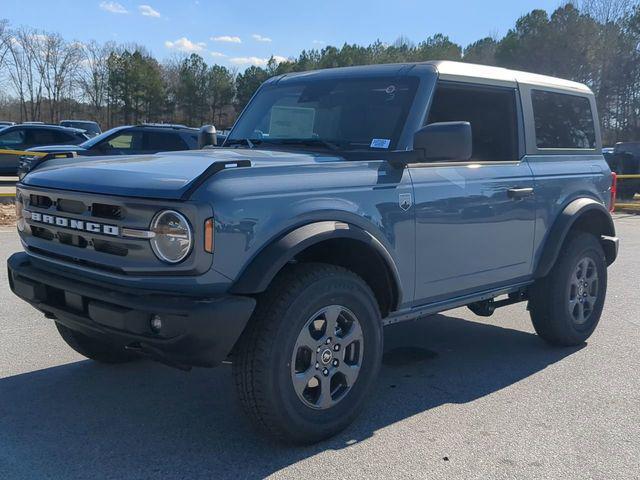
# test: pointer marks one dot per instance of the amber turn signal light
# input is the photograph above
(208, 235)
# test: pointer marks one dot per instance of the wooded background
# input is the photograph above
(44, 77)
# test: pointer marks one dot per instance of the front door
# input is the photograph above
(474, 220)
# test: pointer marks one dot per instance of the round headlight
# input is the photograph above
(173, 240)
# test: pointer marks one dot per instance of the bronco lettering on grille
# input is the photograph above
(73, 224)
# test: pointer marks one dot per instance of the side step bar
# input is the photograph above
(517, 293)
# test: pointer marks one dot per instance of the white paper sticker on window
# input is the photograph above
(380, 143)
(291, 122)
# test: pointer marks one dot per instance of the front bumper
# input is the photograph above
(195, 331)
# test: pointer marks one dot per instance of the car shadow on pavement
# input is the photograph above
(139, 420)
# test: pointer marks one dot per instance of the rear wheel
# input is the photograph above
(566, 305)
(310, 354)
(94, 349)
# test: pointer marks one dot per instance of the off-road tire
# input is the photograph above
(93, 349)
(262, 359)
(549, 302)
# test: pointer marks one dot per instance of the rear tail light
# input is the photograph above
(614, 191)
(208, 235)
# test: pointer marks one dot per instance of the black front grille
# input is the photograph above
(71, 206)
(42, 232)
(71, 239)
(104, 210)
(86, 229)
(40, 201)
(111, 248)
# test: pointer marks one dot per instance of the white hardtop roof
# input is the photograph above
(464, 72)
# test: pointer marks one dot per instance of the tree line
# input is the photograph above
(45, 77)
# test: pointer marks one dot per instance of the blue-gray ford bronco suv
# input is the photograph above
(343, 200)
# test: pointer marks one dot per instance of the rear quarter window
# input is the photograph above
(562, 121)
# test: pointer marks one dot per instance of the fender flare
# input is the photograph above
(261, 270)
(574, 211)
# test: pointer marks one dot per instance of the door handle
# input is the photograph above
(516, 193)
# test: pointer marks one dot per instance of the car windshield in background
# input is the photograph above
(350, 114)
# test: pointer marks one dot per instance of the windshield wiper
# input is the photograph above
(239, 141)
(308, 142)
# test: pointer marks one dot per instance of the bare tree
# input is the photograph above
(56, 61)
(605, 11)
(23, 72)
(93, 75)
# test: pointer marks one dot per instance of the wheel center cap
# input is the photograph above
(581, 290)
(326, 356)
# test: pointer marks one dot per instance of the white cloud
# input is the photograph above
(185, 45)
(217, 54)
(148, 11)
(257, 61)
(319, 42)
(227, 39)
(260, 38)
(112, 7)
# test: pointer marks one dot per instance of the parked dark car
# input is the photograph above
(132, 140)
(90, 128)
(25, 136)
(624, 159)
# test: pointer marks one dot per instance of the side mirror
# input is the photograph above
(444, 141)
(207, 136)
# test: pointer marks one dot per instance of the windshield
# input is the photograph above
(91, 142)
(352, 113)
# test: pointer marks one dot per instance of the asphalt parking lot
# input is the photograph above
(458, 397)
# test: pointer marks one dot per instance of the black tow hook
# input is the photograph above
(155, 354)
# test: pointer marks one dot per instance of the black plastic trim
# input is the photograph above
(196, 331)
(563, 224)
(262, 269)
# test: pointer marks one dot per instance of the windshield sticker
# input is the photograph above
(292, 122)
(380, 143)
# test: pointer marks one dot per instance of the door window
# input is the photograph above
(123, 142)
(45, 137)
(491, 111)
(164, 141)
(12, 138)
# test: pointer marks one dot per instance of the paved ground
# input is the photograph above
(458, 398)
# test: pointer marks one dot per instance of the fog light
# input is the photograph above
(156, 323)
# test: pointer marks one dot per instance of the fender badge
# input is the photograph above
(404, 200)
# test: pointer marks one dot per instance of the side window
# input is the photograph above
(14, 137)
(63, 137)
(562, 120)
(491, 111)
(124, 141)
(43, 136)
(161, 141)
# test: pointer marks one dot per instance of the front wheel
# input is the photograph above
(310, 354)
(566, 305)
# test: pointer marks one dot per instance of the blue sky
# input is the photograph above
(240, 33)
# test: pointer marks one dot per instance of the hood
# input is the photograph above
(162, 176)
(58, 148)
